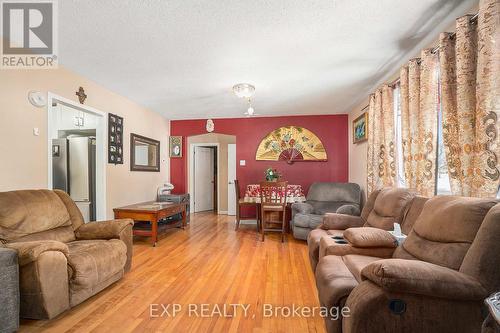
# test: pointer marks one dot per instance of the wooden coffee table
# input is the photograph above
(152, 212)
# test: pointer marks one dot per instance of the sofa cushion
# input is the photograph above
(346, 192)
(482, 261)
(388, 208)
(446, 228)
(370, 237)
(30, 211)
(348, 209)
(323, 207)
(90, 262)
(310, 221)
(73, 211)
(412, 214)
(355, 263)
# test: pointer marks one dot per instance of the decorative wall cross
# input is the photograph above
(81, 95)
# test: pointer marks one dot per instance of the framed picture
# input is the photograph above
(360, 128)
(175, 146)
(115, 139)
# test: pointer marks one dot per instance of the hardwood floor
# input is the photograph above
(208, 263)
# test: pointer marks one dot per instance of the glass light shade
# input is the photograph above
(243, 90)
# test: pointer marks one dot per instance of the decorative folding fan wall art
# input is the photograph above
(291, 144)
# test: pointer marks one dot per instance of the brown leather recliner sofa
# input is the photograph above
(382, 209)
(63, 261)
(435, 281)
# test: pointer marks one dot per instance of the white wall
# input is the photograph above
(23, 155)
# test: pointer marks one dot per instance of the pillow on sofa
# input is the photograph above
(370, 237)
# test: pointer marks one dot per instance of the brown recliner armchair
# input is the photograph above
(435, 282)
(383, 208)
(62, 260)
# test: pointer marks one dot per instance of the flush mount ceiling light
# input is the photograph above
(244, 90)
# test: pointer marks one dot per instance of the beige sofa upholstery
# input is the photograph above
(383, 208)
(435, 281)
(63, 261)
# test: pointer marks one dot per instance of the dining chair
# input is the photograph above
(272, 204)
(240, 202)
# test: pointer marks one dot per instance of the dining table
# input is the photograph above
(294, 193)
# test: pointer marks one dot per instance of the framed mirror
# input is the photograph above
(144, 154)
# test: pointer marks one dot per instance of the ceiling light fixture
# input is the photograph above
(244, 90)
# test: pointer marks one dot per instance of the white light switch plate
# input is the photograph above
(36, 131)
(243, 162)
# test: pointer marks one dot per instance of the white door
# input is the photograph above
(231, 176)
(203, 179)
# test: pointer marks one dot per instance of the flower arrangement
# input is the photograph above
(272, 175)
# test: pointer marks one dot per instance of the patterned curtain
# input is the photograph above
(370, 163)
(419, 110)
(381, 166)
(470, 90)
(428, 123)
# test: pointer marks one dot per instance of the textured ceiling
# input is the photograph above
(181, 58)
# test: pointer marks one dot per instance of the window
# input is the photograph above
(442, 177)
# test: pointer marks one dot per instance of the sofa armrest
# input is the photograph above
(333, 221)
(423, 278)
(302, 208)
(30, 251)
(119, 229)
(103, 230)
(370, 237)
(329, 246)
(348, 209)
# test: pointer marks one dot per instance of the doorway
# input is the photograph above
(222, 142)
(76, 154)
(204, 184)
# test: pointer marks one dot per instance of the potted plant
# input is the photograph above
(272, 175)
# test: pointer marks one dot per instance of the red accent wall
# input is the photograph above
(332, 130)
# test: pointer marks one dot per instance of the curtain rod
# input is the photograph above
(473, 18)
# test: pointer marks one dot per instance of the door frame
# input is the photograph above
(101, 145)
(231, 181)
(191, 172)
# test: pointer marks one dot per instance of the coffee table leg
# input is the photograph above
(154, 231)
(184, 218)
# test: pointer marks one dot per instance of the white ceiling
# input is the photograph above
(180, 58)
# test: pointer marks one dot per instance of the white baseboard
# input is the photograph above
(222, 212)
(247, 221)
